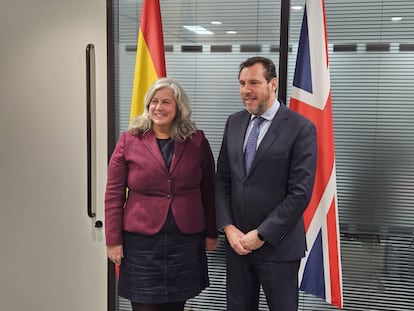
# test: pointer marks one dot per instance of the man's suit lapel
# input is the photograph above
(274, 131)
(238, 137)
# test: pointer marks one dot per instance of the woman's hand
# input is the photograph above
(211, 244)
(115, 253)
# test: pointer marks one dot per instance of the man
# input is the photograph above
(260, 207)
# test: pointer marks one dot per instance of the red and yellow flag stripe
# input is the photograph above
(150, 59)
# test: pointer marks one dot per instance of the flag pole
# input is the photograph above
(283, 49)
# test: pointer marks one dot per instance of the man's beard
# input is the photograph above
(260, 108)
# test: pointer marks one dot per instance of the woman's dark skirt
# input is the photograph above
(166, 267)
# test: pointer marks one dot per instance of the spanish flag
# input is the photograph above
(150, 59)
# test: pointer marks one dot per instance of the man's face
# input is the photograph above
(257, 94)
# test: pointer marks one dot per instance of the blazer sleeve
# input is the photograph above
(207, 187)
(287, 214)
(223, 185)
(115, 194)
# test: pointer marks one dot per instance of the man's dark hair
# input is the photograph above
(269, 66)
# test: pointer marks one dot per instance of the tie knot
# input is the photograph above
(258, 120)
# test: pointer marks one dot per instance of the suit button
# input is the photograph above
(169, 196)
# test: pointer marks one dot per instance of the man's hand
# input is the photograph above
(250, 241)
(234, 236)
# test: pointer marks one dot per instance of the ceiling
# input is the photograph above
(258, 22)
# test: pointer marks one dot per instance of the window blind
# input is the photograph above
(371, 64)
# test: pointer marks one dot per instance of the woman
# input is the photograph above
(158, 232)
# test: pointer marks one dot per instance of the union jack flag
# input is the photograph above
(320, 272)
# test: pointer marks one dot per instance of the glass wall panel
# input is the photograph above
(371, 63)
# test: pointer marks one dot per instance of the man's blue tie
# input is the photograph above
(252, 143)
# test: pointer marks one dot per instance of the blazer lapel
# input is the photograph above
(272, 134)
(179, 148)
(150, 141)
(240, 133)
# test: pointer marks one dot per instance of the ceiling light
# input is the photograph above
(216, 22)
(396, 19)
(199, 30)
(231, 32)
(297, 7)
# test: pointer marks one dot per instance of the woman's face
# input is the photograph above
(163, 109)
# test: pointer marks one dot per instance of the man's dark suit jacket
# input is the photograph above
(188, 188)
(273, 197)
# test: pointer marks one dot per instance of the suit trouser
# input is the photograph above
(245, 274)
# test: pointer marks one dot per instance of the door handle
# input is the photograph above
(91, 130)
